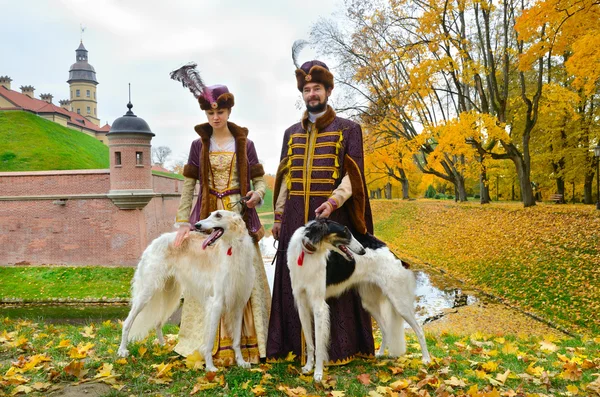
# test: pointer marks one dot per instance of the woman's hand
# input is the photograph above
(182, 233)
(254, 199)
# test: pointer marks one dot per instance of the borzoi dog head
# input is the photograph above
(218, 223)
(323, 234)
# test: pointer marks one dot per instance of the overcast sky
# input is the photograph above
(243, 44)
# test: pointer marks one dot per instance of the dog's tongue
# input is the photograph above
(212, 237)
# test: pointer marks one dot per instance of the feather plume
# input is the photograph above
(189, 78)
(296, 48)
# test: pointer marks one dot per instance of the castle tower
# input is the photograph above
(82, 82)
(130, 169)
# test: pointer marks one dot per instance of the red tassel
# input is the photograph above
(301, 258)
(229, 251)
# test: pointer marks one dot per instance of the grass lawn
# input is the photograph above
(545, 259)
(45, 283)
(38, 358)
(31, 143)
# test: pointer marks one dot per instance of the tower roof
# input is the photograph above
(130, 124)
(81, 70)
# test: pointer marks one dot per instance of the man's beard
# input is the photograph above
(318, 108)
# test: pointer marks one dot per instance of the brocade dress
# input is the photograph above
(224, 193)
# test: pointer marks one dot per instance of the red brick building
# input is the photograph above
(89, 217)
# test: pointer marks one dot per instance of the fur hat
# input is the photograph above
(211, 97)
(314, 72)
(216, 97)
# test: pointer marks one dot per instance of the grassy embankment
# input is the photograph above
(31, 143)
(545, 259)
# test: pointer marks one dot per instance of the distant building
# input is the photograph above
(80, 112)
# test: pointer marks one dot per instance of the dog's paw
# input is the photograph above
(379, 354)
(123, 352)
(318, 376)
(307, 369)
(211, 368)
(243, 364)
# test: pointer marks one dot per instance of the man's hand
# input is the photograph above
(275, 230)
(182, 233)
(254, 199)
(324, 210)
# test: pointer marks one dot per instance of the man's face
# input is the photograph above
(315, 96)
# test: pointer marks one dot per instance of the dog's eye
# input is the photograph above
(218, 215)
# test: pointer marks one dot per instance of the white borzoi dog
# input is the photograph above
(216, 269)
(322, 265)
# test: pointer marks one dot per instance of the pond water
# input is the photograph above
(435, 294)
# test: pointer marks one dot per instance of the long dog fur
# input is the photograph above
(219, 276)
(322, 266)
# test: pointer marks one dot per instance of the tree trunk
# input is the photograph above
(459, 184)
(588, 187)
(484, 191)
(405, 184)
(405, 189)
(524, 181)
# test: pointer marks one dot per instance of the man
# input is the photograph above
(320, 174)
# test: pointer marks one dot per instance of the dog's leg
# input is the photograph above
(374, 302)
(321, 313)
(215, 309)
(409, 316)
(304, 312)
(136, 308)
(395, 341)
(159, 335)
(236, 330)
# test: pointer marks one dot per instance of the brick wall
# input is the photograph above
(54, 182)
(83, 231)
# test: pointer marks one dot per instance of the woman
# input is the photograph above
(224, 162)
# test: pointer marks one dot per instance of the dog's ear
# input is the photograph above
(318, 231)
(237, 222)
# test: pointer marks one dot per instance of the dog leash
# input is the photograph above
(242, 203)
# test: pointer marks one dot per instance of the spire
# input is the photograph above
(81, 70)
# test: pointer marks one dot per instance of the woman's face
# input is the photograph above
(217, 118)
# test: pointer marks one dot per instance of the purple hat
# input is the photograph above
(216, 97)
(314, 72)
(212, 97)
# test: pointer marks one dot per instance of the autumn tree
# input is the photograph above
(160, 154)
(416, 65)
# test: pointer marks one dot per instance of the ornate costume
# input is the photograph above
(320, 161)
(224, 174)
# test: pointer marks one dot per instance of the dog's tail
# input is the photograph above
(164, 301)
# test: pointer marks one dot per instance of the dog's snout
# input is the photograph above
(198, 225)
(362, 251)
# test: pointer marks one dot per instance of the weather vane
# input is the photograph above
(82, 29)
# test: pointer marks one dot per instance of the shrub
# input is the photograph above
(430, 193)
(476, 196)
(451, 197)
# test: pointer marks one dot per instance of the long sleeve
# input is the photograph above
(343, 192)
(280, 202)
(187, 198)
(259, 186)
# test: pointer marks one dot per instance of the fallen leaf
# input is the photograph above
(365, 379)
(194, 361)
(75, 368)
(142, 350)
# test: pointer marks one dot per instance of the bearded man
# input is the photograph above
(320, 175)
